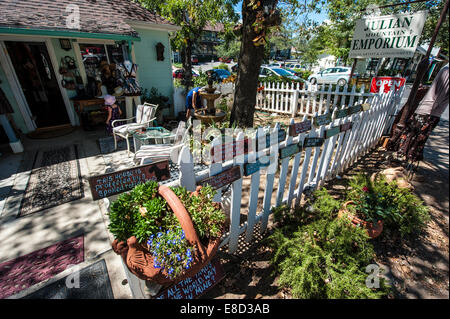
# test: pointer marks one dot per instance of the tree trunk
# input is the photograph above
(187, 64)
(249, 63)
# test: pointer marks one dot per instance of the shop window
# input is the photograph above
(94, 54)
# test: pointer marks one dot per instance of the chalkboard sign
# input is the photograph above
(238, 147)
(289, 150)
(313, 141)
(297, 128)
(322, 119)
(281, 138)
(250, 168)
(346, 126)
(121, 181)
(341, 113)
(195, 286)
(224, 178)
(332, 131)
(354, 109)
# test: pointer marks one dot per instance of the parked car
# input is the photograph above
(339, 75)
(268, 71)
(219, 75)
(294, 66)
(194, 59)
(179, 74)
(275, 65)
(225, 60)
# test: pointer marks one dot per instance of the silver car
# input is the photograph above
(339, 75)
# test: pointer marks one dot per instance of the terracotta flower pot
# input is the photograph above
(139, 260)
(373, 230)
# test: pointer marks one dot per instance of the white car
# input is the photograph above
(294, 66)
(339, 75)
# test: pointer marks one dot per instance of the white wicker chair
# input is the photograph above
(159, 152)
(145, 115)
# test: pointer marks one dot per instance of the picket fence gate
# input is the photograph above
(297, 100)
(343, 144)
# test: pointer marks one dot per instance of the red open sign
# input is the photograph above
(387, 82)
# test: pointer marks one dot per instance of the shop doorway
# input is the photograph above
(34, 71)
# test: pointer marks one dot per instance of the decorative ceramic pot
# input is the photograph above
(373, 230)
(139, 260)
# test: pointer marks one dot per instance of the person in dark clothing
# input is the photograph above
(193, 101)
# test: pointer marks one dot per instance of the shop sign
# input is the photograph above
(387, 36)
(387, 82)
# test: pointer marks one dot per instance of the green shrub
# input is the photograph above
(400, 210)
(320, 256)
(325, 259)
(208, 219)
(142, 213)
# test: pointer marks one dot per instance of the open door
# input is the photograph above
(34, 71)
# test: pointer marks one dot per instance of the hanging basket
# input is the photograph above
(373, 230)
(139, 260)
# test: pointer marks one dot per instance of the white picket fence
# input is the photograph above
(310, 168)
(307, 170)
(296, 100)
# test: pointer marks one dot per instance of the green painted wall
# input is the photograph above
(19, 123)
(60, 53)
(153, 73)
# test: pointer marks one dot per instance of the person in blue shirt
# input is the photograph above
(193, 101)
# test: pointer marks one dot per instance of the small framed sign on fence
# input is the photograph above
(121, 181)
(313, 142)
(341, 113)
(224, 178)
(290, 150)
(332, 131)
(346, 126)
(229, 150)
(324, 119)
(365, 106)
(297, 128)
(251, 168)
(354, 109)
(281, 138)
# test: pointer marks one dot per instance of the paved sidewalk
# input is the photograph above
(21, 236)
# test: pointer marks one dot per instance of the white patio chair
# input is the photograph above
(145, 115)
(159, 152)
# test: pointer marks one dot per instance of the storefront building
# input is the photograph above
(53, 51)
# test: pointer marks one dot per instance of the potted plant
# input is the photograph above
(365, 207)
(357, 215)
(166, 234)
